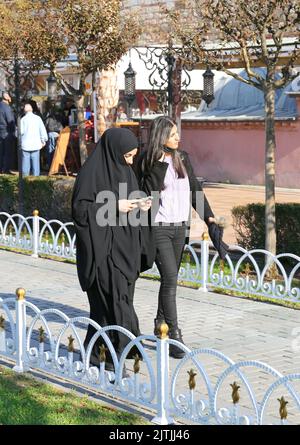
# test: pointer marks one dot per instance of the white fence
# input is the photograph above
(36, 339)
(242, 271)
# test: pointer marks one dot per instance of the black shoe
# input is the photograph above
(157, 323)
(175, 351)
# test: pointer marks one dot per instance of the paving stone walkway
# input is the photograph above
(239, 328)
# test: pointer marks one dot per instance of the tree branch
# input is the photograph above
(67, 88)
(249, 71)
(286, 79)
(264, 48)
(241, 79)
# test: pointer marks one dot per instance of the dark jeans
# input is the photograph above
(50, 147)
(6, 153)
(170, 241)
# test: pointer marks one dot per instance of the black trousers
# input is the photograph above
(6, 153)
(170, 242)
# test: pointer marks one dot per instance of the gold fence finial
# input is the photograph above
(20, 292)
(35, 213)
(222, 266)
(2, 322)
(136, 365)
(163, 331)
(247, 269)
(192, 381)
(282, 408)
(102, 350)
(71, 343)
(42, 336)
(235, 392)
(272, 273)
(205, 236)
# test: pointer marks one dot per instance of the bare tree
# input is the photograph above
(228, 33)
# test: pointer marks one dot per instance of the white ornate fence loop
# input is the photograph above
(151, 385)
(58, 239)
(11, 231)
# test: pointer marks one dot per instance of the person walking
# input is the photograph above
(7, 133)
(53, 127)
(108, 251)
(33, 139)
(167, 172)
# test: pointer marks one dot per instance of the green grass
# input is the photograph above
(27, 401)
(281, 302)
(41, 255)
(233, 293)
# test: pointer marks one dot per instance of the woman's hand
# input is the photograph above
(126, 205)
(212, 220)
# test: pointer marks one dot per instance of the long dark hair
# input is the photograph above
(160, 131)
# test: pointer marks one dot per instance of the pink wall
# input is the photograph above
(234, 152)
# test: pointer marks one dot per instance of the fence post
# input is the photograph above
(20, 331)
(162, 417)
(35, 234)
(2, 334)
(204, 261)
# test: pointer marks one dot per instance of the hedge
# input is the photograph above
(50, 195)
(249, 225)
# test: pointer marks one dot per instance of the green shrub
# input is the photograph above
(249, 225)
(8, 193)
(50, 195)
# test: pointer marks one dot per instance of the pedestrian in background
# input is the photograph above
(33, 139)
(7, 133)
(53, 127)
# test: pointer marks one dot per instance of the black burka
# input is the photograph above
(108, 257)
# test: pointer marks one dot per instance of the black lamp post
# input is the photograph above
(208, 86)
(17, 82)
(170, 59)
(129, 87)
(52, 87)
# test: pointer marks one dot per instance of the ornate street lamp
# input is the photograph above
(208, 86)
(52, 87)
(129, 87)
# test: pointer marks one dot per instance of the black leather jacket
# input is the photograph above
(154, 180)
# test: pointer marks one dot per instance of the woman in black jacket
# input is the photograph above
(167, 173)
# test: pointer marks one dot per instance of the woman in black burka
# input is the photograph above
(108, 256)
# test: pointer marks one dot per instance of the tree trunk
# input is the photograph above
(108, 96)
(176, 96)
(79, 102)
(270, 219)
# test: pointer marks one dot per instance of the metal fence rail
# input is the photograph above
(256, 272)
(29, 336)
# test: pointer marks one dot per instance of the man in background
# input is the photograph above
(33, 139)
(7, 133)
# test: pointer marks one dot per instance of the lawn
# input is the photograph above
(27, 401)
